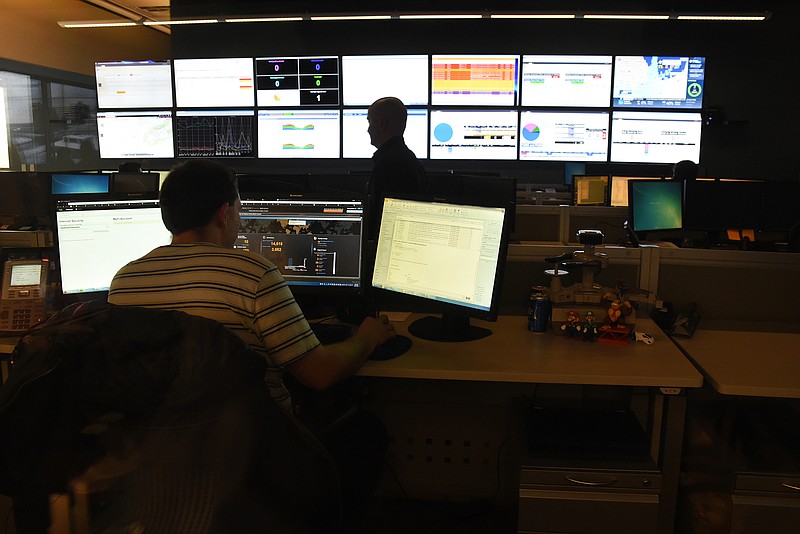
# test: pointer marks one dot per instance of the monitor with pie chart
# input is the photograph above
(474, 134)
(563, 136)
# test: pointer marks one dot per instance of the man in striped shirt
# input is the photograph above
(200, 273)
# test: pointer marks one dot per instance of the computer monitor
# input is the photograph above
(315, 242)
(446, 257)
(473, 134)
(590, 190)
(717, 205)
(655, 205)
(134, 84)
(97, 236)
(563, 136)
(368, 78)
(672, 82)
(215, 133)
(70, 183)
(619, 189)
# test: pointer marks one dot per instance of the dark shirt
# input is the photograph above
(395, 170)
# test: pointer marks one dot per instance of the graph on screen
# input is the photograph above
(220, 133)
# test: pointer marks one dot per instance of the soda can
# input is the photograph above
(538, 313)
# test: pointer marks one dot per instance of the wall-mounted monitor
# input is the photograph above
(135, 134)
(659, 82)
(96, 237)
(590, 190)
(655, 205)
(314, 241)
(618, 195)
(474, 134)
(355, 139)
(571, 81)
(474, 80)
(133, 84)
(297, 81)
(298, 133)
(655, 137)
(365, 79)
(563, 136)
(447, 255)
(214, 82)
(215, 133)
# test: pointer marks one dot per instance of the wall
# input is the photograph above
(29, 34)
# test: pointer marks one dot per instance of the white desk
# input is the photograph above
(512, 354)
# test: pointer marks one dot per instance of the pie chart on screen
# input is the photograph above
(530, 132)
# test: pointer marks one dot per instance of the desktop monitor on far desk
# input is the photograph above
(444, 256)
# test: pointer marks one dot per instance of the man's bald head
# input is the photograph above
(387, 118)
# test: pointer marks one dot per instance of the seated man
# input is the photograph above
(200, 273)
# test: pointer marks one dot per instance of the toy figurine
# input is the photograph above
(589, 327)
(571, 326)
(617, 311)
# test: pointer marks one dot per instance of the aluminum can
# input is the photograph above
(538, 312)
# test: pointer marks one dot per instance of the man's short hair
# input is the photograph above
(193, 191)
(394, 111)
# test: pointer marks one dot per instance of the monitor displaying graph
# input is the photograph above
(298, 133)
(474, 80)
(574, 81)
(474, 134)
(563, 136)
(297, 81)
(214, 133)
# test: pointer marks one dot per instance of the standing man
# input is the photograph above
(395, 167)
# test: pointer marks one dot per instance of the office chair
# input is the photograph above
(154, 420)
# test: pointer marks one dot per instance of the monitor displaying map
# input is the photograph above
(658, 82)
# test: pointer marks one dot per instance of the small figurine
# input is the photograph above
(589, 327)
(617, 311)
(571, 326)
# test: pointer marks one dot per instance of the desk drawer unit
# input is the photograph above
(768, 502)
(588, 501)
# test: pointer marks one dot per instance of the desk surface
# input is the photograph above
(512, 354)
(735, 362)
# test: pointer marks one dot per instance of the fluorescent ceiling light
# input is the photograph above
(723, 17)
(266, 19)
(441, 16)
(532, 16)
(96, 23)
(351, 17)
(174, 22)
(626, 16)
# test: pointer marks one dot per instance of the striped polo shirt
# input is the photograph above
(237, 288)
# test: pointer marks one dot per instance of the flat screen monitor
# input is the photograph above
(316, 243)
(566, 81)
(473, 134)
(563, 136)
(365, 79)
(474, 80)
(655, 205)
(447, 255)
(619, 189)
(655, 137)
(214, 82)
(781, 205)
(590, 190)
(96, 237)
(298, 133)
(135, 134)
(717, 205)
(215, 133)
(135, 183)
(659, 82)
(76, 183)
(297, 81)
(355, 138)
(134, 84)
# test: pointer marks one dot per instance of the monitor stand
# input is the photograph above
(449, 328)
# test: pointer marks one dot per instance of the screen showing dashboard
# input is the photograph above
(563, 136)
(315, 243)
(570, 81)
(133, 84)
(655, 137)
(297, 81)
(135, 134)
(298, 133)
(474, 80)
(659, 82)
(97, 237)
(473, 134)
(214, 133)
(214, 82)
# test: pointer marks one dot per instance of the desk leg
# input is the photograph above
(674, 415)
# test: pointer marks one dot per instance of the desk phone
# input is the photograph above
(23, 294)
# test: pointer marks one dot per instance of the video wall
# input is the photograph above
(564, 108)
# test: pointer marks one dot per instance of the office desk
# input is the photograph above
(513, 356)
(756, 372)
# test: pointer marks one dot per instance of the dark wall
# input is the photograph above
(747, 88)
